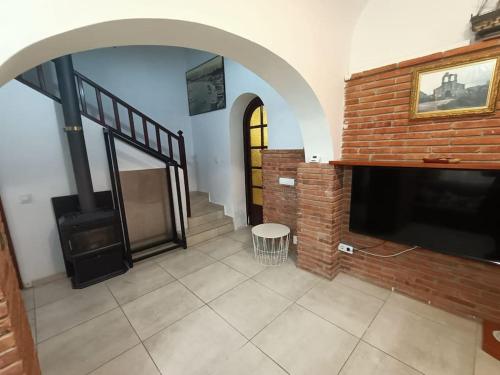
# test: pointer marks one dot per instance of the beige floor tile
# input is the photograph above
(184, 262)
(303, 343)
(195, 345)
(53, 291)
(345, 307)
(249, 307)
(28, 298)
(462, 329)
(288, 280)
(139, 280)
(423, 344)
(220, 247)
(156, 310)
(212, 281)
(486, 364)
(87, 346)
(243, 235)
(367, 360)
(363, 286)
(68, 312)
(244, 262)
(135, 361)
(249, 361)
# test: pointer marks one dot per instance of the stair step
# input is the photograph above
(206, 208)
(203, 218)
(209, 225)
(208, 231)
(197, 197)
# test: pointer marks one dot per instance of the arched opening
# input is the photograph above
(255, 135)
(287, 81)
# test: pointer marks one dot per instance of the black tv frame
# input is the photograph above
(355, 170)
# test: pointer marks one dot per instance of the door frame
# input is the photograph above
(254, 103)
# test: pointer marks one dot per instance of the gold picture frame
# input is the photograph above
(467, 87)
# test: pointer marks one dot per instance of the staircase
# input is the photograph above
(128, 124)
(121, 119)
(207, 220)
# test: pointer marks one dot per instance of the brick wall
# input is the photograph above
(319, 190)
(280, 201)
(378, 128)
(377, 125)
(17, 350)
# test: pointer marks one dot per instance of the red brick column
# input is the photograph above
(17, 350)
(280, 201)
(319, 191)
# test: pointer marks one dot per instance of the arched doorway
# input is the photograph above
(255, 138)
(111, 31)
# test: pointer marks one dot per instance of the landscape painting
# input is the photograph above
(460, 89)
(206, 87)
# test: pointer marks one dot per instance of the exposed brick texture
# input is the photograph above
(280, 201)
(377, 124)
(378, 128)
(17, 350)
(319, 190)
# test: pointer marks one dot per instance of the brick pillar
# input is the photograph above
(319, 191)
(17, 350)
(280, 201)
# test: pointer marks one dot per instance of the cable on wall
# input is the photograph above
(385, 256)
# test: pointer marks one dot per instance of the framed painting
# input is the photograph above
(455, 89)
(206, 86)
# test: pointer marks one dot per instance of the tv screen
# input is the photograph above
(452, 211)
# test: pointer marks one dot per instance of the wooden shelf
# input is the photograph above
(409, 164)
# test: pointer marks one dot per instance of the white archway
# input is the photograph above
(46, 35)
(238, 189)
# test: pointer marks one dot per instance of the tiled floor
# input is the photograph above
(212, 309)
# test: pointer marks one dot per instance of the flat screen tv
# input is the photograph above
(452, 211)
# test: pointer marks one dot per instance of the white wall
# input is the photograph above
(35, 162)
(216, 137)
(152, 79)
(389, 31)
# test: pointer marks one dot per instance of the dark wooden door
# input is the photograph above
(255, 140)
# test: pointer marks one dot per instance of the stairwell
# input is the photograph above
(207, 219)
(129, 125)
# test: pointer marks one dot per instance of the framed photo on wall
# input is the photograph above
(455, 89)
(206, 86)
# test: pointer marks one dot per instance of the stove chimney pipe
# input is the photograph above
(74, 131)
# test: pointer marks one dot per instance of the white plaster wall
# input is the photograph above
(389, 31)
(35, 162)
(218, 135)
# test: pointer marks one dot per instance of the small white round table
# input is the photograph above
(270, 243)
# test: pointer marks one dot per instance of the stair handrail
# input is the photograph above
(158, 129)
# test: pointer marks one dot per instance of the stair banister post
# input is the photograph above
(182, 157)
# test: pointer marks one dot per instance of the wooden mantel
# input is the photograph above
(410, 164)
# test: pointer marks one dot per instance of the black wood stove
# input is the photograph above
(92, 245)
(91, 234)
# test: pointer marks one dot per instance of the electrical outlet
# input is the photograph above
(346, 248)
(294, 240)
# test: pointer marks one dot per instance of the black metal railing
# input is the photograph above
(120, 118)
